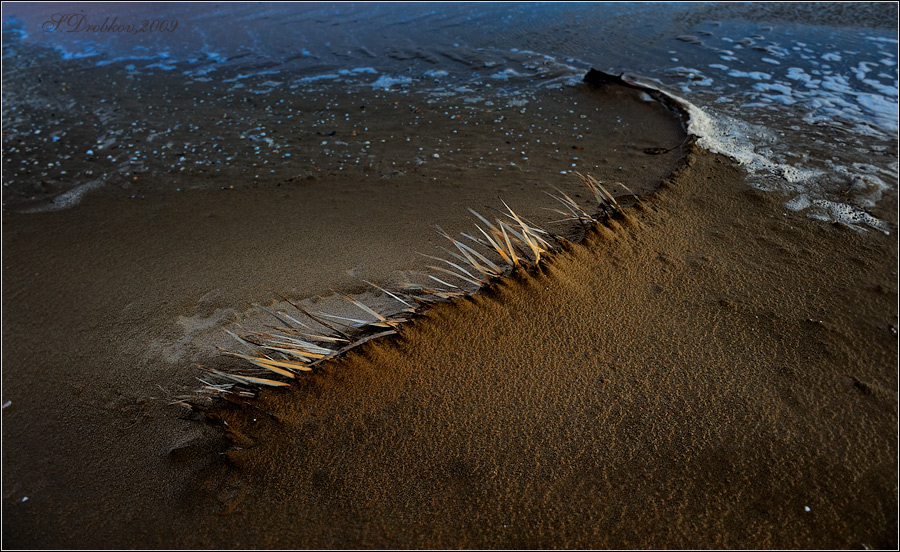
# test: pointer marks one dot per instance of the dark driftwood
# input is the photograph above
(599, 78)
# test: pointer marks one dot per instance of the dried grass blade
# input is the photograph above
(478, 283)
(468, 260)
(272, 364)
(444, 294)
(364, 307)
(280, 319)
(609, 196)
(356, 321)
(245, 343)
(572, 201)
(512, 252)
(389, 293)
(292, 342)
(290, 351)
(455, 255)
(316, 319)
(591, 184)
(535, 250)
(479, 241)
(300, 350)
(328, 338)
(627, 189)
(496, 246)
(527, 227)
(366, 339)
(567, 204)
(488, 223)
(262, 362)
(489, 266)
(292, 319)
(261, 381)
(436, 279)
(454, 265)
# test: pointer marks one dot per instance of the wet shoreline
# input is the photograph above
(708, 370)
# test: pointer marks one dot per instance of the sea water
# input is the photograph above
(805, 97)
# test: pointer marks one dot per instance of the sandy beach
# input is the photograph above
(707, 369)
(695, 374)
(117, 322)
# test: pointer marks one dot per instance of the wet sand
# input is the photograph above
(696, 374)
(108, 305)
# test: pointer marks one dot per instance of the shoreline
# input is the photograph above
(108, 305)
(375, 395)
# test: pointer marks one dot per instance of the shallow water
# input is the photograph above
(806, 102)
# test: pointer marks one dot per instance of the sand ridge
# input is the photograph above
(717, 378)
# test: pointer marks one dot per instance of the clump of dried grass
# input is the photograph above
(573, 211)
(303, 340)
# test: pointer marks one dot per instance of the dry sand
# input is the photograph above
(706, 372)
(696, 374)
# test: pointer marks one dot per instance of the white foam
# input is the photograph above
(766, 87)
(358, 71)
(755, 75)
(884, 110)
(734, 138)
(506, 74)
(850, 215)
(67, 55)
(882, 39)
(316, 78)
(799, 203)
(384, 82)
(861, 69)
(885, 89)
(837, 83)
(728, 136)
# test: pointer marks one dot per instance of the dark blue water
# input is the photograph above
(805, 96)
